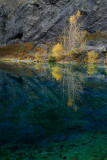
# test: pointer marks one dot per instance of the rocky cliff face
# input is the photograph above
(36, 20)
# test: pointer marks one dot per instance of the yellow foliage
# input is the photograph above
(70, 102)
(56, 74)
(92, 57)
(78, 14)
(57, 50)
(73, 20)
(73, 39)
(55, 69)
(76, 35)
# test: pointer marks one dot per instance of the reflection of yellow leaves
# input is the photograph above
(56, 74)
(55, 69)
(75, 108)
(106, 70)
(37, 66)
(70, 102)
(92, 69)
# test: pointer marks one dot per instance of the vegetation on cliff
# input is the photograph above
(71, 45)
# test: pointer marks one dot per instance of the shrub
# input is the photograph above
(72, 40)
(57, 50)
(92, 57)
(97, 35)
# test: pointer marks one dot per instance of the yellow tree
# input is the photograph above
(92, 57)
(57, 50)
(76, 35)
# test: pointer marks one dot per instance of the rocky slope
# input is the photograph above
(36, 20)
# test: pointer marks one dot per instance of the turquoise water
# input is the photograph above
(53, 111)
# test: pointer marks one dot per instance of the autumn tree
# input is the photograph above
(73, 38)
(92, 57)
(76, 35)
(57, 50)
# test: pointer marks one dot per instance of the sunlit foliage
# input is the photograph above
(73, 39)
(76, 35)
(57, 50)
(92, 57)
(78, 14)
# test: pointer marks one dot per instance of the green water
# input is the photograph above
(53, 111)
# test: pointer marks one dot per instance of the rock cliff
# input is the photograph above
(36, 20)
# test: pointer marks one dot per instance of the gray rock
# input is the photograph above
(99, 46)
(91, 43)
(36, 20)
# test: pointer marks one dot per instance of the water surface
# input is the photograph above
(53, 111)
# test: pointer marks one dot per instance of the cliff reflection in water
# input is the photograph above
(43, 103)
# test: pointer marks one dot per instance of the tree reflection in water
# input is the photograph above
(44, 103)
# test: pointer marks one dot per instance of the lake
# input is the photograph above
(53, 111)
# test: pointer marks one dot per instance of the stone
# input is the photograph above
(36, 20)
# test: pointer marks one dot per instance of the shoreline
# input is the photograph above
(15, 60)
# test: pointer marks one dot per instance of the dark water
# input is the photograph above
(53, 112)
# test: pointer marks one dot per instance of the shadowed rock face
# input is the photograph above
(35, 20)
